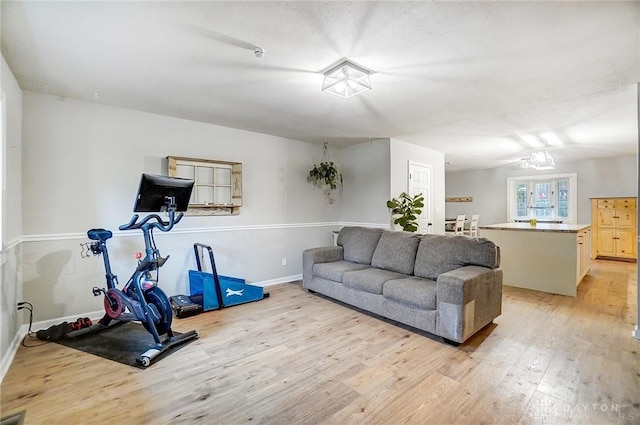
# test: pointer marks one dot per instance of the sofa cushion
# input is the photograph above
(439, 254)
(396, 251)
(359, 243)
(335, 270)
(369, 280)
(413, 291)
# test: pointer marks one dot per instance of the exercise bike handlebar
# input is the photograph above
(160, 224)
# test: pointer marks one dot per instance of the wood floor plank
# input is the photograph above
(299, 358)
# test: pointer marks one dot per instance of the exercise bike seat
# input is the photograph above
(99, 234)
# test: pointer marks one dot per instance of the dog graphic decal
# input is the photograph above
(232, 292)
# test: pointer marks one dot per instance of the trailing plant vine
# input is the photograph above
(325, 175)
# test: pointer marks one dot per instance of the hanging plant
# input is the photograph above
(325, 175)
(408, 209)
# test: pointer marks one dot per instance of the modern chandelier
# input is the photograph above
(346, 80)
(539, 160)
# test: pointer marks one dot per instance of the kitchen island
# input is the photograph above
(548, 257)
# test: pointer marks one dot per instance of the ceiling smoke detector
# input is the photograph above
(259, 52)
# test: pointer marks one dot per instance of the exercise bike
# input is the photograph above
(140, 299)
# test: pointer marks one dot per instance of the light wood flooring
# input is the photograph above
(298, 358)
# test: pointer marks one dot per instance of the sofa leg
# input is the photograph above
(451, 342)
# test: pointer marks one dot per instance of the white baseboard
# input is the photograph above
(93, 315)
(285, 279)
(11, 352)
(22, 332)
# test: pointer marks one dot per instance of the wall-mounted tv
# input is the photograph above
(155, 192)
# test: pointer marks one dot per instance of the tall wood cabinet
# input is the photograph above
(614, 223)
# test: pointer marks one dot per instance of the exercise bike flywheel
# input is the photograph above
(156, 298)
(113, 304)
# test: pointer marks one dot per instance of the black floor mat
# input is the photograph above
(122, 342)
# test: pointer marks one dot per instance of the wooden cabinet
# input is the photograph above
(583, 263)
(614, 223)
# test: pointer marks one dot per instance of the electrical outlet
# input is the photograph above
(284, 261)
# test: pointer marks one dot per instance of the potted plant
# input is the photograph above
(325, 173)
(407, 209)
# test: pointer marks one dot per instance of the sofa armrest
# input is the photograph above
(313, 256)
(468, 299)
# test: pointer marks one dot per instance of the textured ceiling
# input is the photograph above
(471, 79)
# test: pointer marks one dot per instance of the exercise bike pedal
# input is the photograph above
(97, 291)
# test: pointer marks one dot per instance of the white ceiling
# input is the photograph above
(465, 78)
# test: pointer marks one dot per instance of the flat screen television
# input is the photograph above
(154, 191)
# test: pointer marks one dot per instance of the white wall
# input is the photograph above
(401, 154)
(366, 169)
(10, 278)
(82, 167)
(84, 160)
(12, 157)
(596, 178)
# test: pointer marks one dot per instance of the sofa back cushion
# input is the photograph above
(359, 243)
(396, 251)
(439, 254)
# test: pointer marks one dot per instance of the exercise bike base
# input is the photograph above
(145, 359)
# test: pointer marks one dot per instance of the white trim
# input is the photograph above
(12, 244)
(24, 329)
(636, 333)
(7, 359)
(277, 281)
(72, 236)
(376, 225)
(93, 315)
(253, 227)
(53, 237)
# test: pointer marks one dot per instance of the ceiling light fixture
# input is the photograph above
(539, 160)
(346, 79)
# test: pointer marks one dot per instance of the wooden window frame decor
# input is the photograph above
(213, 184)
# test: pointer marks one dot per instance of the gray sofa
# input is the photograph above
(450, 286)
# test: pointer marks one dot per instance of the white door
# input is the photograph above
(420, 182)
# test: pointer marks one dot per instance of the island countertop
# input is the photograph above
(539, 227)
(548, 257)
